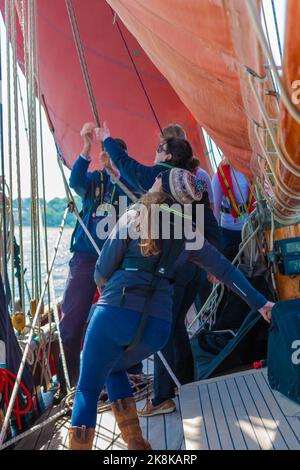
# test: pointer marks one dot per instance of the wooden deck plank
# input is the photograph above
(195, 435)
(231, 417)
(239, 410)
(220, 418)
(257, 423)
(173, 428)
(271, 425)
(156, 432)
(209, 418)
(244, 422)
(292, 437)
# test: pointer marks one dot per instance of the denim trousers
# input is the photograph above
(105, 359)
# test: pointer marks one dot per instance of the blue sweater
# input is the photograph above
(140, 177)
(115, 281)
(95, 189)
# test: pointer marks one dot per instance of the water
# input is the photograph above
(61, 265)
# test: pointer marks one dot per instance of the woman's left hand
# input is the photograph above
(102, 133)
(266, 310)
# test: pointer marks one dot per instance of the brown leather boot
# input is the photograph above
(81, 438)
(128, 422)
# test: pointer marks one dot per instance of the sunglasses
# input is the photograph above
(161, 148)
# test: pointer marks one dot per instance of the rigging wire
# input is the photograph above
(137, 72)
(43, 221)
(4, 248)
(31, 332)
(82, 59)
(9, 119)
(17, 148)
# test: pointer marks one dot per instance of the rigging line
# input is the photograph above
(43, 222)
(4, 260)
(17, 150)
(82, 59)
(9, 119)
(277, 29)
(31, 332)
(36, 269)
(242, 247)
(87, 81)
(137, 73)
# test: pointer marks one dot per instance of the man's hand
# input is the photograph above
(266, 310)
(102, 133)
(212, 279)
(87, 133)
(104, 160)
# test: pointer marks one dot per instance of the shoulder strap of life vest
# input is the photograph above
(225, 179)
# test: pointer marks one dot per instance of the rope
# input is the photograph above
(4, 259)
(169, 370)
(9, 119)
(33, 429)
(137, 72)
(218, 284)
(44, 219)
(82, 60)
(7, 379)
(17, 146)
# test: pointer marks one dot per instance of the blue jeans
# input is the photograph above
(105, 361)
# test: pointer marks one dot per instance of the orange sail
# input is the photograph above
(201, 47)
(289, 134)
(120, 98)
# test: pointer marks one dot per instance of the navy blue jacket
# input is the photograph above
(127, 288)
(95, 188)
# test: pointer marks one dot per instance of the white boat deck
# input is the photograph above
(238, 412)
(233, 412)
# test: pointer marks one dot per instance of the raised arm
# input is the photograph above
(140, 177)
(80, 179)
(212, 261)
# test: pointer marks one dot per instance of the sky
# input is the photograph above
(53, 179)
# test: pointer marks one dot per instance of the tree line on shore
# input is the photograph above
(55, 209)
